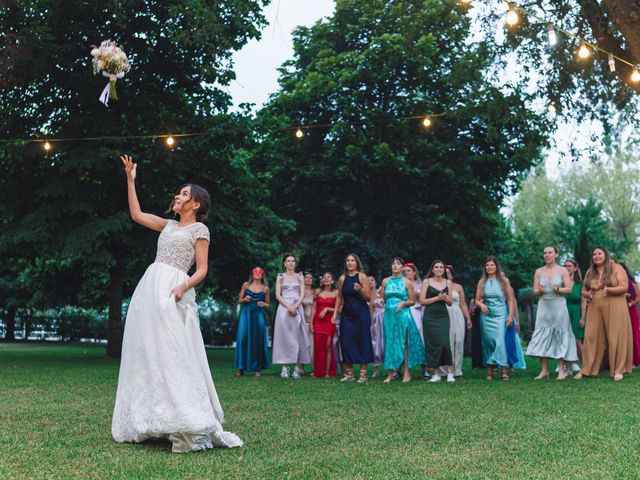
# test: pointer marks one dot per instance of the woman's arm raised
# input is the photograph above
(148, 220)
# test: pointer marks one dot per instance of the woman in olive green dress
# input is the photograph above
(576, 305)
(435, 297)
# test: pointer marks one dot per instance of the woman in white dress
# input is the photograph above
(165, 388)
(411, 273)
(460, 322)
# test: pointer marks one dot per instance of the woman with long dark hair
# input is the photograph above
(251, 354)
(435, 297)
(493, 297)
(633, 297)
(323, 328)
(608, 327)
(577, 306)
(355, 318)
(165, 388)
(460, 322)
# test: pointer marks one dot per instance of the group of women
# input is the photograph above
(409, 321)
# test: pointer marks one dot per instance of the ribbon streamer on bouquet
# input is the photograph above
(104, 96)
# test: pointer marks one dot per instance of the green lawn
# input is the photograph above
(56, 403)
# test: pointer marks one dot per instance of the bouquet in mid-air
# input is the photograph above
(113, 63)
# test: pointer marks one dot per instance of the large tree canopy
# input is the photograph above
(70, 206)
(383, 187)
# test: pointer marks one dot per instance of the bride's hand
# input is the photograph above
(178, 292)
(129, 167)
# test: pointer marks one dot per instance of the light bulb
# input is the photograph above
(551, 108)
(47, 146)
(170, 141)
(584, 51)
(553, 38)
(635, 76)
(512, 16)
(299, 133)
(465, 2)
(612, 63)
(426, 123)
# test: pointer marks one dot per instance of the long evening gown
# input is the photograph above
(436, 330)
(515, 355)
(417, 309)
(323, 332)
(290, 333)
(635, 321)
(377, 332)
(400, 327)
(552, 336)
(574, 307)
(251, 353)
(494, 324)
(165, 388)
(456, 333)
(355, 325)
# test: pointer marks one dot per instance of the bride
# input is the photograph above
(165, 388)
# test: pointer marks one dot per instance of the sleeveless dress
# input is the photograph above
(290, 333)
(635, 322)
(493, 325)
(436, 326)
(456, 333)
(607, 331)
(307, 307)
(251, 353)
(417, 309)
(323, 331)
(398, 326)
(377, 332)
(574, 307)
(552, 336)
(355, 325)
(165, 388)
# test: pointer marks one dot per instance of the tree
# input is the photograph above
(77, 213)
(358, 181)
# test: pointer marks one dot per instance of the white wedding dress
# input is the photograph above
(165, 388)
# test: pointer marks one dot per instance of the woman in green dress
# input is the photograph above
(435, 297)
(575, 305)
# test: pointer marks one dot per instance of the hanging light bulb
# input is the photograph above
(635, 75)
(170, 141)
(583, 51)
(426, 123)
(299, 133)
(553, 38)
(46, 146)
(551, 108)
(512, 16)
(612, 63)
(465, 2)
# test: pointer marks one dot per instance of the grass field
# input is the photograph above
(56, 403)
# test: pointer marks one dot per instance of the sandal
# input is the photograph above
(239, 373)
(363, 378)
(349, 376)
(489, 377)
(504, 377)
(258, 374)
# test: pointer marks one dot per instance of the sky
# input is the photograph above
(257, 76)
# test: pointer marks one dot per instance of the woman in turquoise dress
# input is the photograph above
(402, 342)
(575, 305)
(493, 297)
(251, 353)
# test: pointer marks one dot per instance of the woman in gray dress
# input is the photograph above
(552, 337)
(290, 333)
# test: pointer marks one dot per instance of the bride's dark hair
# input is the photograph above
(199, 195)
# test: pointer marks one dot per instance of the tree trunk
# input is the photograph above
(10, 334)
(114, 325)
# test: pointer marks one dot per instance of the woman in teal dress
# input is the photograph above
(574, 304)
(493, 297)
(251, 342)
(434, 296)
(402, 342)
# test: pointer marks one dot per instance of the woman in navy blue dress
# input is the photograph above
(251, 341)
(355, 318)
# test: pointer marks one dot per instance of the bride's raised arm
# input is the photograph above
(149, 220)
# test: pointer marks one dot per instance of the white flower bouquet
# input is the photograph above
(113, 63)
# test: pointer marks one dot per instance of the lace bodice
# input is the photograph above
(176, 245)
(455, 296)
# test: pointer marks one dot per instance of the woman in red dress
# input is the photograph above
(323, 328)
(633, 298)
